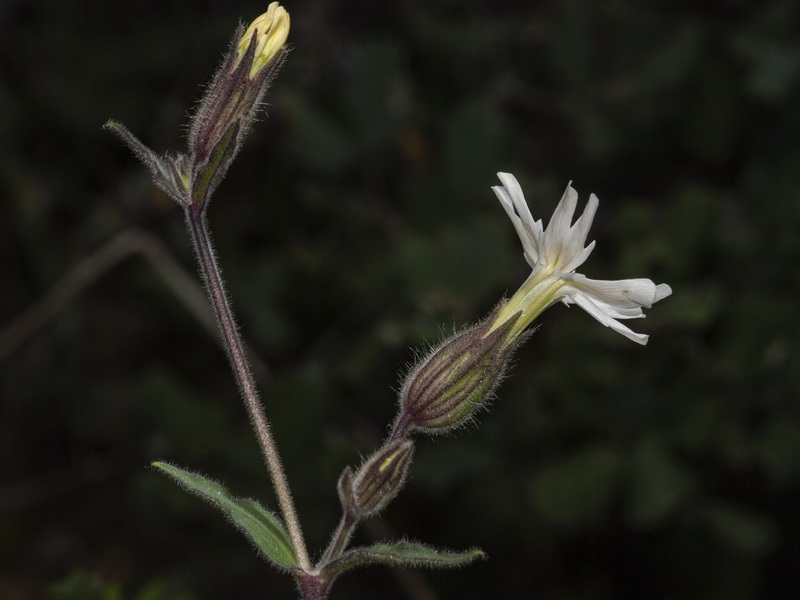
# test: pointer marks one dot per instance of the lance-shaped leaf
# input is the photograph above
(169, 173)
(402, 554)
(261, 526)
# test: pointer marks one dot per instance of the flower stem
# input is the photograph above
(339, 541)
(196, 221)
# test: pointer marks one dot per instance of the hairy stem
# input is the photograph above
(244, 377)
(339, 541)
(314, 587)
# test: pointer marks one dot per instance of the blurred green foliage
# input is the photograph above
(82, 586)
(357, 224)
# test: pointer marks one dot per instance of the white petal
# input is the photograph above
(573, 254)
(514, 191)
(600, 312)
(615, 312)
(662, 291)
(621, 293)
(557, 233)
(578, 233)
(584, 223)
(608, 301)
(530, 244)
(578, 259)
(528, 230)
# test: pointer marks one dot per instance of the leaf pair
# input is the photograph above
(269, 535)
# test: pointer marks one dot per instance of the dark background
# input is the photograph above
(357, 224)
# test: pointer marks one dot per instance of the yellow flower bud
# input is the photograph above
(271, 30)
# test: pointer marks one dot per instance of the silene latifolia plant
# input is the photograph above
(442, 392)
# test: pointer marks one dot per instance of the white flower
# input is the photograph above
(554, 253)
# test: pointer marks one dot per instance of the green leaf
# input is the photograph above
(738, 527)
(261, 526)
(402, 554)
(658, 484)
(79, 586)
(89, 586)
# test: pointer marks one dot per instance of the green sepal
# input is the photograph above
(207, 176)
(262, 527)
(402, 554)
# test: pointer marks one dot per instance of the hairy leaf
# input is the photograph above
(403, 554)
(261, 526)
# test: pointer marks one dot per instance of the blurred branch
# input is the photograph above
(58, 483)
(80, 277)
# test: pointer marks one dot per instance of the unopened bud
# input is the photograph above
(377, 481)
(345, 488)
(224, 115)
(271, 31)
(231, 102)
(455, 380)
